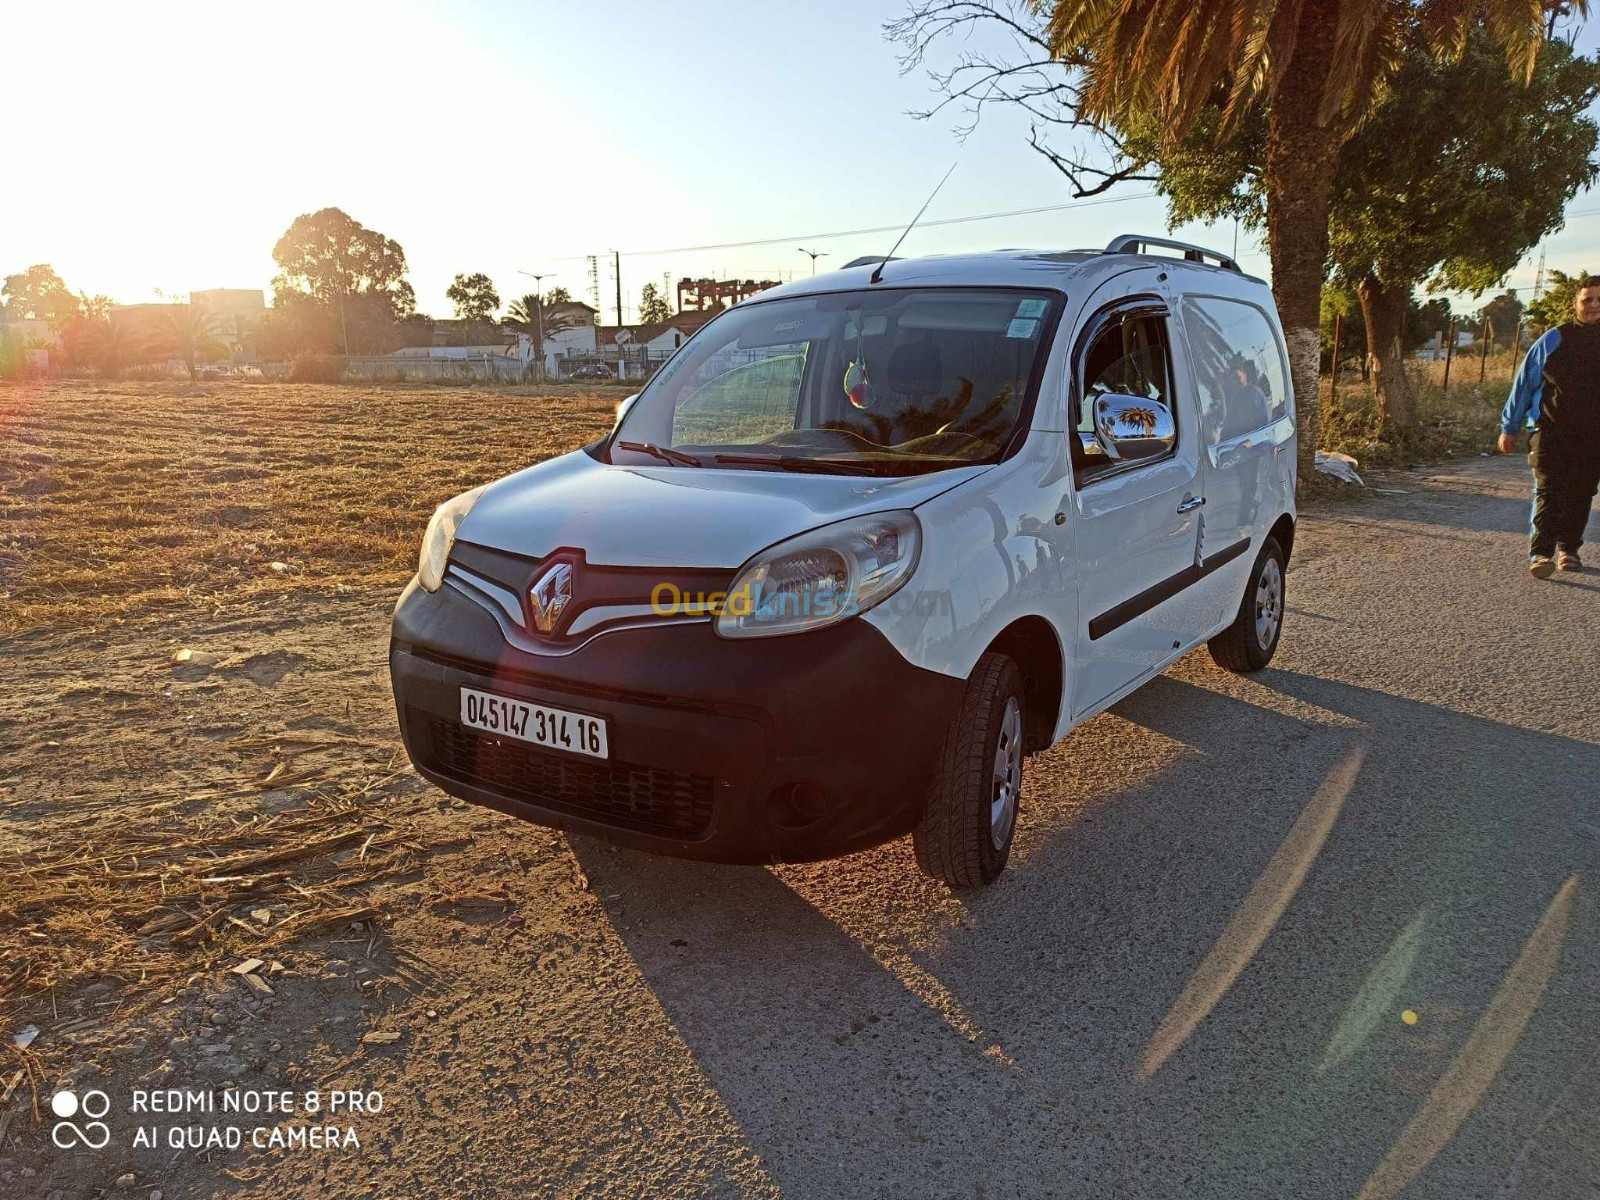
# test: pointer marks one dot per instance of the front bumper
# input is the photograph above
(787, 749)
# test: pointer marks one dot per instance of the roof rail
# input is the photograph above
(1134, 243)
(865, 259)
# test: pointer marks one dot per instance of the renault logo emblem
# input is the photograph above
(549, 595)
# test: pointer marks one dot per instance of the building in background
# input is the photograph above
(237, 312)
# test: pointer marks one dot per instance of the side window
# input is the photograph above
(1129, 356)
(1238, 367)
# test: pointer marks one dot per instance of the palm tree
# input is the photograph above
(188, 331)
(113, 345)
(1317, 68)
(538, 319)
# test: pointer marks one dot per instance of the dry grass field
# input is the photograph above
(198, 759)
(123, 500)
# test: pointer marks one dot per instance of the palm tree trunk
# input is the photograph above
(1384, 305)
(1302, 152)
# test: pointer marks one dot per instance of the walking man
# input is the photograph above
(1557, 394)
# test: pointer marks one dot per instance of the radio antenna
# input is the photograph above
(877, 272)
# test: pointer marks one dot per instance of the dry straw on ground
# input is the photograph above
(137, 848)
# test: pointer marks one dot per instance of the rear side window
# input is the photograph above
(1238, 367)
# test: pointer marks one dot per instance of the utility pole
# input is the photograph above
(616, 263)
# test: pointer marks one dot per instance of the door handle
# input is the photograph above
(1192, 503)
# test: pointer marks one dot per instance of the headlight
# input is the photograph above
(822, 577)
(441, 535)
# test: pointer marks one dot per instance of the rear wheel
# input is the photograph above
(1249, 643)
(964, 837)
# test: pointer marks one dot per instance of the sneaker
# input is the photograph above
(1541, 566)
(1567, 561)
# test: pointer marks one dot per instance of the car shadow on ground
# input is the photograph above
(1024, 1077)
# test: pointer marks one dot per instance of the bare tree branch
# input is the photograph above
(1078, 171)
(1031, 78)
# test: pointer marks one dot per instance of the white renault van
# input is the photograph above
(861, 545)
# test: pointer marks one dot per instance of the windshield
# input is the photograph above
(883, 382)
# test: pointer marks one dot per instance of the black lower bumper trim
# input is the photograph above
(650, 800)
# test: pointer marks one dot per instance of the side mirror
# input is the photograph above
(622, 409)
(1128, 428)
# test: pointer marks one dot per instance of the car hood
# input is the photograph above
(676, 516)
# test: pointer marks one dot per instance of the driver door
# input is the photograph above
(1137, 519)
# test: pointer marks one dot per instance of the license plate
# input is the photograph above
(537, 724)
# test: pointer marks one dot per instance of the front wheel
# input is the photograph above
(1249, 643)
(964, 837)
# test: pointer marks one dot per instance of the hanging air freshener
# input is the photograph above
(856, 384)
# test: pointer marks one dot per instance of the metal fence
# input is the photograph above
(478, 366)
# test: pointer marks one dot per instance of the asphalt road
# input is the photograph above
(1227, 896)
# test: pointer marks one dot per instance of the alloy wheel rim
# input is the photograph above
(1007, 775)
(1269, 603)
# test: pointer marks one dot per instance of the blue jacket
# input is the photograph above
(1527, 389)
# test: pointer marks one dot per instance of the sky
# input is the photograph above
(172, 144)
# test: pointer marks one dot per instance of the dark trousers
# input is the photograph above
(1563, 490)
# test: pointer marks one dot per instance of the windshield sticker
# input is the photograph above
(1032, 308)
(1022, 327)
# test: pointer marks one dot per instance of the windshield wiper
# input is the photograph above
(795, 462)
(664, 453)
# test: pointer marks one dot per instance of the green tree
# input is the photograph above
(475, 301)
(1503, 313)
(189, 332)
(112, 346)
(298, 323)
(1554, 306)
(1447, 184)
(539, 318)
(39, 294)
(558, 295)
(1312, 72)
(1341, 317)
(1404, 214)
(347, 270)
(1308, 72)
(653, 305)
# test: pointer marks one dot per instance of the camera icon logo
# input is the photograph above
(93, 1134)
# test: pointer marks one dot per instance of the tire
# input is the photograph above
(1249, 643)
(964, 837)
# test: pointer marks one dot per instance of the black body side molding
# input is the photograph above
(1134, 606)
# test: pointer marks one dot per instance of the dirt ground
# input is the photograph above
(198, 756)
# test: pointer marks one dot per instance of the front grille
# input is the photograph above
(647, 799)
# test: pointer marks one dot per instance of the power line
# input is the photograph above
(839, 233)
